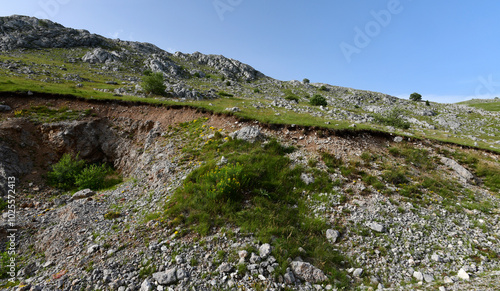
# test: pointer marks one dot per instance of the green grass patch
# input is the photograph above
(44, 114)
(258, 191)
(73, 174)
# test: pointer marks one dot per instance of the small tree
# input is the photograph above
(305, 81)
(153, 83)
(318, 100)
(415, 97)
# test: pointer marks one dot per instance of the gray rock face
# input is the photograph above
(166, 278)
(30, 32)
(9, 167)
(249, 133)
(230, 68)
(306, 271)
(101, 56)
(161, 63)
(460, 170)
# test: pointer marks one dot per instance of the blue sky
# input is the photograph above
(446, 51)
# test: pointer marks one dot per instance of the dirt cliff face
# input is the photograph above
(68, 243)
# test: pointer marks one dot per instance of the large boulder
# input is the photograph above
(306, 271)
(249, 133)
(461, 172)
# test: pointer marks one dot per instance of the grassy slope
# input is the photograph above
(51, 69)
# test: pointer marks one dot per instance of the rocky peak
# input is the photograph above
(30, 32)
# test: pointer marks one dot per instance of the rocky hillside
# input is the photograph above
(232, 180)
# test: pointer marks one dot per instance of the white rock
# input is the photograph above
(83, 194)
(332, 235)
(357, 272)
(146, 285)
(462, 274)
(264, 250)
(418, 276)
(448, 280)
(428, 278)
(375, 226)
(92, 249)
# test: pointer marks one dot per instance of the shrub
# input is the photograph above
(92, 177)
(323, 88)
(427, 103)
(63, 173)
(305, 81)
(228, 83)
(318, 100)
(292, 98)
(415, 97)
(224, 94)
(153, 83)
(393, 119)
(256, 90)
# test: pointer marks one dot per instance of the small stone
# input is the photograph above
(47, 264)
(146, 285)
(306, 271)
(448, 280)
(242, 254)
(254, 258)
(167, 277)
(332, 235)
(436, 258)
(428, 278)
(307, 178)
(398, 139)
(181, 274)
(418, 276)
(225, 268)
(264, 251)
(357, 272)
(289, 278)
(375, 226)
(85, 193)
(462, 274)
(442, 288)
(92, 249)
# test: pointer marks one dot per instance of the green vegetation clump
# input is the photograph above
(224, 94)
(415, 97)
(44, 114)
(305, 81)
(258, 191)
(318, 100)
(153, 83)
(73, 173)
(64, 173)
(92, 177)
(292, 98)
(393, 118)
